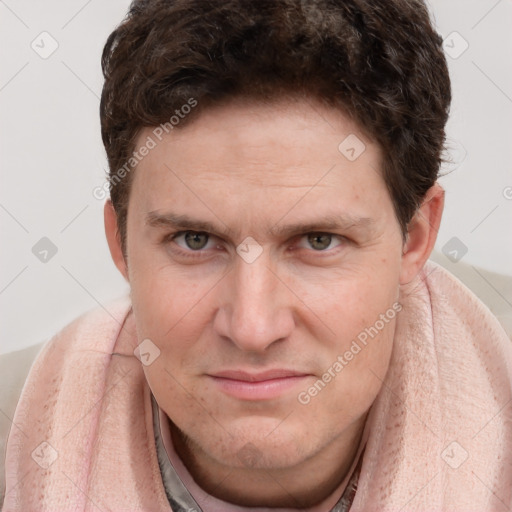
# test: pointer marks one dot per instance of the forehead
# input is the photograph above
(261, 157)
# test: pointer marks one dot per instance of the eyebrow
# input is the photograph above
(330, 223)
(342, 222)
(175, 221)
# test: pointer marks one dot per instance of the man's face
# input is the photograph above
(247, 328)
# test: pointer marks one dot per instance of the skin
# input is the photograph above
(255, 170)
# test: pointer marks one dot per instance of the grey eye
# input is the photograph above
(196, 240)
(319, 241)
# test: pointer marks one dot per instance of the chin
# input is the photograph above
(260, 443)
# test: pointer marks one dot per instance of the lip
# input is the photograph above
(257, 386)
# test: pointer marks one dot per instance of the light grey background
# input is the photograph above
(52, 156)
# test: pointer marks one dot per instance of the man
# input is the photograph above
(286, 344)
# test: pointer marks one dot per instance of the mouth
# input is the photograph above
(266, 385)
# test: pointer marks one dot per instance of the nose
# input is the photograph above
(256, 307)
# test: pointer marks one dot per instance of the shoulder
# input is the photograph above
(475, 285)
(93, 330)
(14, 368)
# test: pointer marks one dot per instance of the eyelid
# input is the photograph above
(342, 239)
(172, 238)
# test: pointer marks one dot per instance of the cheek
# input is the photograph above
(360, 312)
(348, 303)
(165, 300)
(179, 398)
(354, 377)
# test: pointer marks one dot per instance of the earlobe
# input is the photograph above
(114, 238)
(422, 234)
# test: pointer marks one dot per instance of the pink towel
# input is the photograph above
(440, 430)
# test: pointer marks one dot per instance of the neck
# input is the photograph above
(305, 485)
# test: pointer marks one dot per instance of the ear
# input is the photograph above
(422, 234)
(114, 238)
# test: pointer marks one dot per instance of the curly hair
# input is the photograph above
(381, 63)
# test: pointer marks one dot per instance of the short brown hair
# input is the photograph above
(381, 63)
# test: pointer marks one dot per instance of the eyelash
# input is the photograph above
(170, 238)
